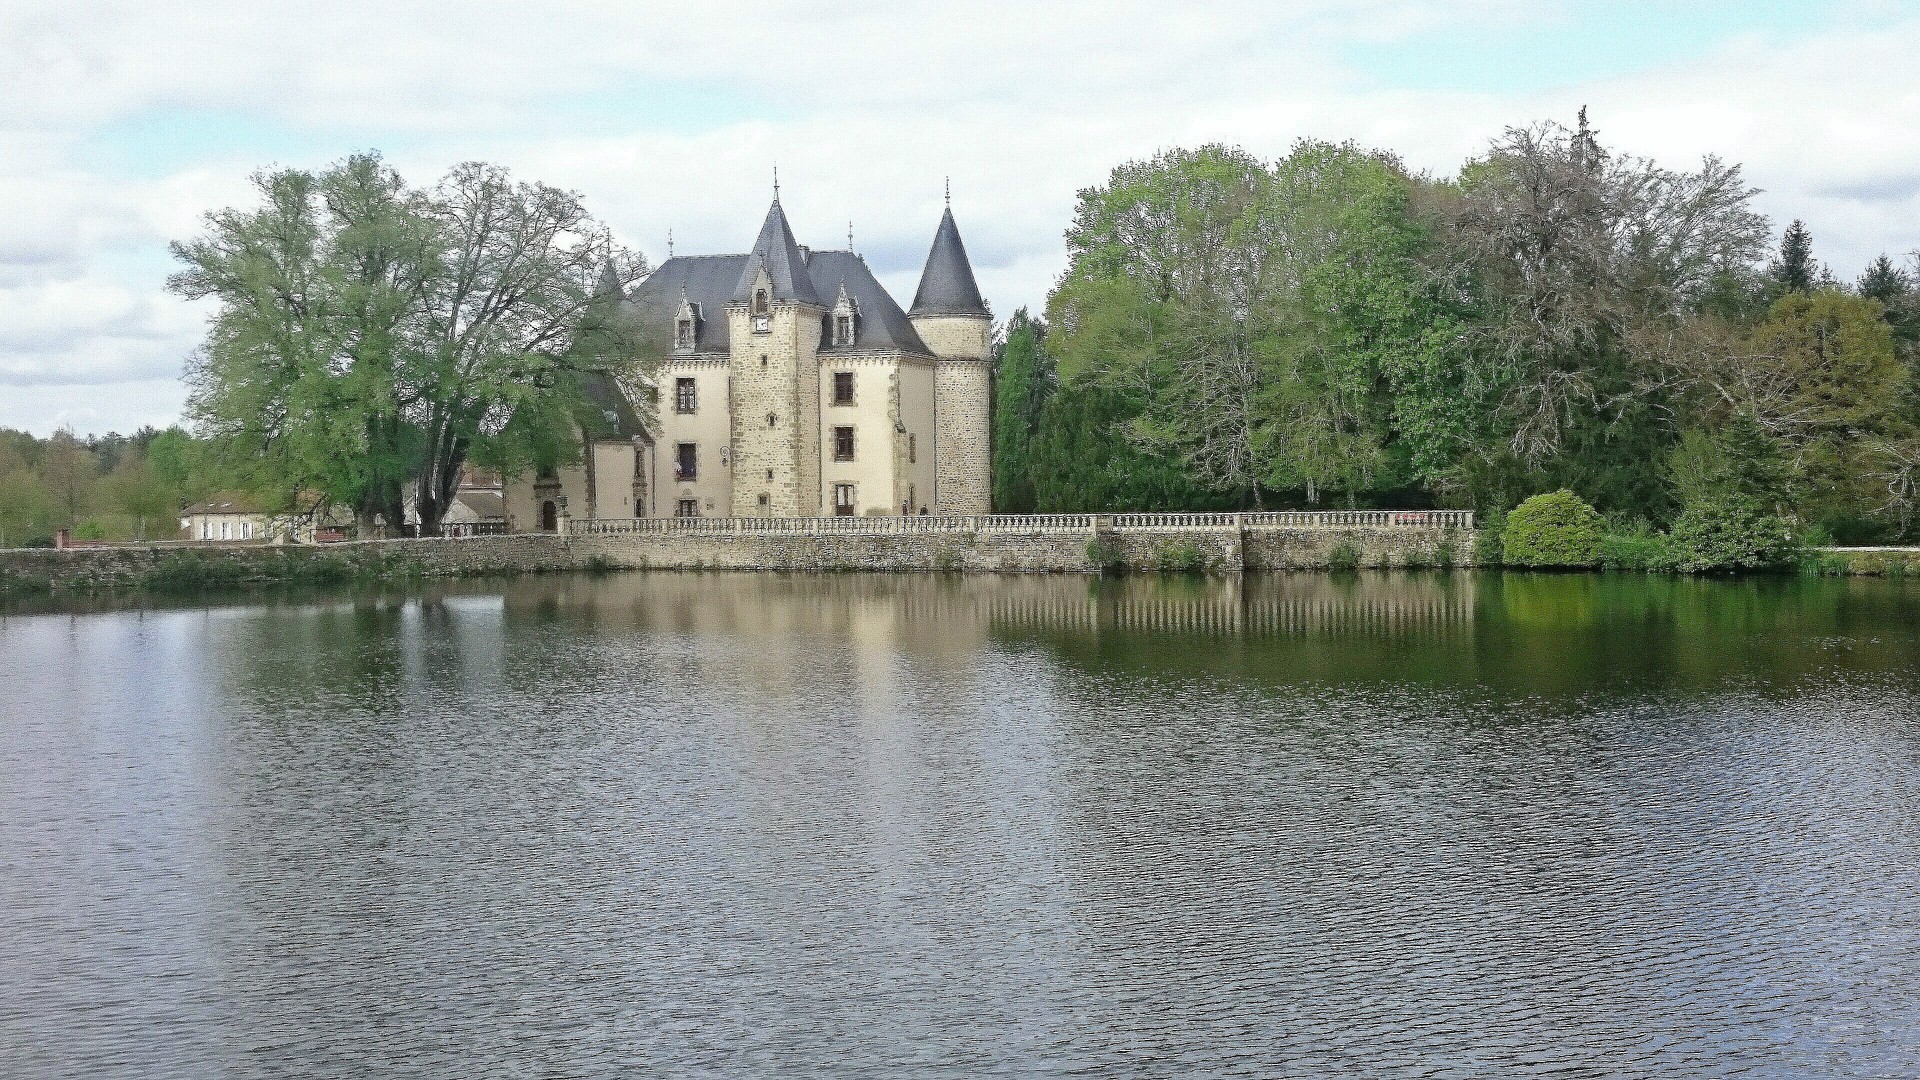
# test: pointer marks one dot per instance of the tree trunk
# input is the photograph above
(429, 509)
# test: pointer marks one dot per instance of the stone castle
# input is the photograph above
(794, 386)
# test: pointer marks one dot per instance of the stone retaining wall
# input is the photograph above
(978, 551)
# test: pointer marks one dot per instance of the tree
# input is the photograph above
(369, 337)
(1794, 269)
(137, 491)
(1085, 462)
(1586, 266)
(1831, 389)
(68, 471)
(1166, 297)
(1022, 379)
(1893, 287)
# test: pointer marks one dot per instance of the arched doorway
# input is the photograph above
(549, 516)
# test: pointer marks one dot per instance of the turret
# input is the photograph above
(957, 326)
(947, 310)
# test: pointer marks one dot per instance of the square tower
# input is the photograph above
(774, 320)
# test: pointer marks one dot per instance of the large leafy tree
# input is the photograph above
(370, 337)
(1273, 322)
(1587, 265)
(1166, 300)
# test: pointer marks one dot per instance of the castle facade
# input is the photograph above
(797, 387)
(794, 386)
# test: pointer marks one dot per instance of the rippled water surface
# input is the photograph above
(868, 825)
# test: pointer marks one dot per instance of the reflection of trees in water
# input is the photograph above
(1550, 633)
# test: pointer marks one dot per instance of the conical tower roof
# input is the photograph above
(777, 251)
(946, 285)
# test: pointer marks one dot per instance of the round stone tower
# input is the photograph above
(953, 320)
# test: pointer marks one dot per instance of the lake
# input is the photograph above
(874, 825)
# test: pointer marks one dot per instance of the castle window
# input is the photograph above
(764, 502)
(772, 420)
(843, 500)
(912, 449)
(759, 301)
(846, 318)
(686, 324)
(684, 397)
(686, 462)
(843, 388)
(687, 508)
(843, 444)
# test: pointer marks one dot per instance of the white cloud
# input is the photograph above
(673, 120)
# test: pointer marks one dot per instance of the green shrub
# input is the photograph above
(1486, 541)
(1104, 555)
(1731, 533)
(1344, 558)
(183, 571)
(1446, 553)
(1180, 557)
(1554, 529)
(1636, 547)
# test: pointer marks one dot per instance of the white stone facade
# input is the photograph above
(797, 387)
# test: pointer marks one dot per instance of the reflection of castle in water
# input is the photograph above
(969, 608)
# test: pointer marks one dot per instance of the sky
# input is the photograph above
(123, 124)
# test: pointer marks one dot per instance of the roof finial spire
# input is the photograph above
(669, 243)
(849, 236)
(776, 182)
(949, 192)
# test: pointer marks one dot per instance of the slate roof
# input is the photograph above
(708, 280)
(608, 413)
(882, 324)
(946, 285)
(776, 250)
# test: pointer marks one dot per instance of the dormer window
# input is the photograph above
(686, 325)
(759, 301)
(846, 319)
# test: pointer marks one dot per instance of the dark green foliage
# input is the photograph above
(1022, 379)
(1446, 553)
(1638, 547)
(1730, 533)
(1555, 529)
(1487, 549)
(1794, 269)
(1083, 461)
(1893, 288)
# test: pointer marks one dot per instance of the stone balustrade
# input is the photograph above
(1032, 524)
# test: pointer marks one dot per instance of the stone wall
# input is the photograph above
(963, 440)
(997, 550)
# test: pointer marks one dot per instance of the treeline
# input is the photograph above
(1330, 329)
(111, 487)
